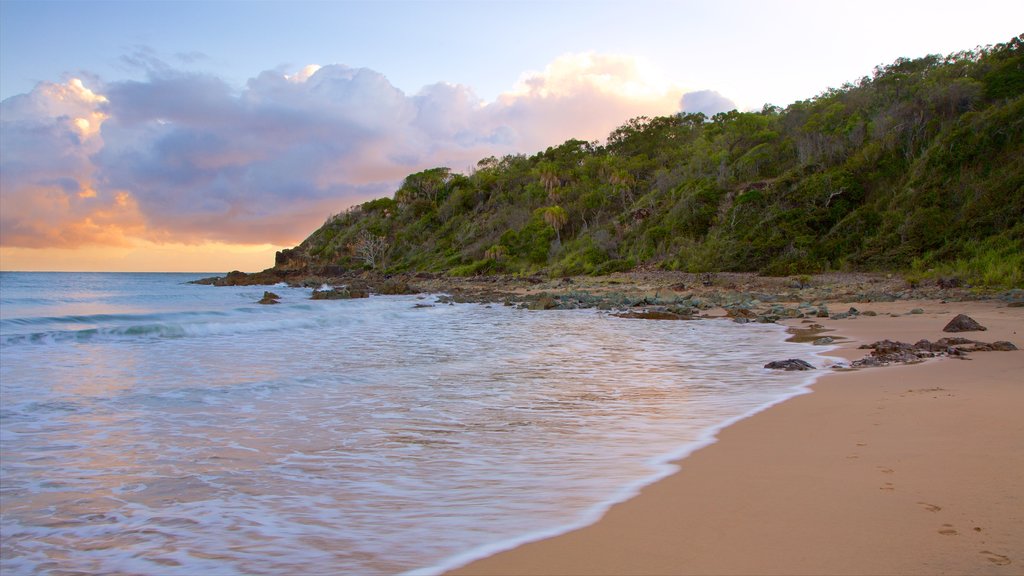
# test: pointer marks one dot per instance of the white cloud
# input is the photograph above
(707, 101)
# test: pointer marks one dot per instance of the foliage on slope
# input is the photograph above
(918, 167)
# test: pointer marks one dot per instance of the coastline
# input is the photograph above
(910, 469)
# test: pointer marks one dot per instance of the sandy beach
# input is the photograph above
(905, 469)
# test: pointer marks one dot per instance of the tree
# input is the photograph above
(556, 217)
(426, 185)
(549, 179)
(370, 248)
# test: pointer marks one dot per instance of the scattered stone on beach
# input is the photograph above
(269, 298)
(790, 364)
(963, 323)
(917, 311)
(824, 341)
(886, 352)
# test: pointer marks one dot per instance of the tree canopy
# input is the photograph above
(918, 167)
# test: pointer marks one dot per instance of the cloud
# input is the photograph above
(186, 158)
(707, 101)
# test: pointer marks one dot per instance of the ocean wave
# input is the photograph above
(160, 330)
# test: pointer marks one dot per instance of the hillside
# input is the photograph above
(917, 168)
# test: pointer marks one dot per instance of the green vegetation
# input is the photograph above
(917, 168)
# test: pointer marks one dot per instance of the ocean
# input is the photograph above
(152, 426)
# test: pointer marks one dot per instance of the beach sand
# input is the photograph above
(908, 469)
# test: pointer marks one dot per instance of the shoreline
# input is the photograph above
(900, 469)
(663, 466)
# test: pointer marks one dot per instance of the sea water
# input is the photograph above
(152, 426)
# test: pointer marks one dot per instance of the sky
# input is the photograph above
(204, 136)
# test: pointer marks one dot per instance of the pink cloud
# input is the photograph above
(185, 158)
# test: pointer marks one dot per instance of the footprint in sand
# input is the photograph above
(885, 470)
(997, 559)
(930, 507)
(948, 530)
(888, 487)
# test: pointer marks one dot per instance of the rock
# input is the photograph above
(791, 364)
(544, 302)
(963, 323)
(869, 313)
(917, 311)
(999, 346)
(396, 286)
(269, 298)
(740, 313)
(338, 294)
(653, 315)
(824, 341)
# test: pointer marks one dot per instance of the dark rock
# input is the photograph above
(269, 298)
(338, 294)
(963, 323)
(824, 341)
(947, 282)
(917, 311)
(653, 315)
(999, 346)
(740, 313)
(396, 286)
(791, 364)
(543, 302)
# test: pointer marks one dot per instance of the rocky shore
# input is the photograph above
(746, 297)
(659, 295)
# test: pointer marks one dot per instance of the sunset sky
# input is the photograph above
(204, 136)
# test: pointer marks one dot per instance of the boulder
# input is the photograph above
(790, 364)
(963, 323)
(338, 294)
(269, 298)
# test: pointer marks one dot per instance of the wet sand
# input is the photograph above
(907, 469)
